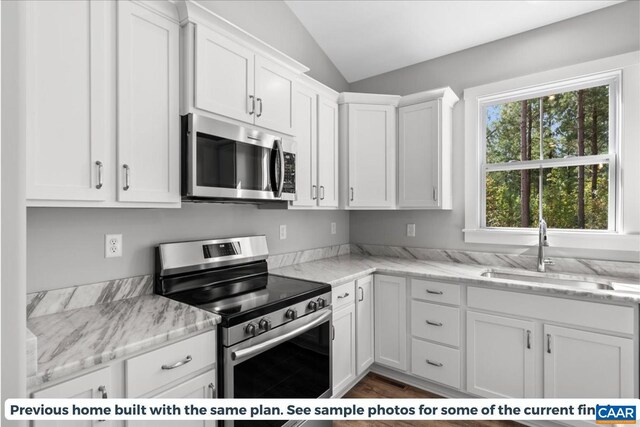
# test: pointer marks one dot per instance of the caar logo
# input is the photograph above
(615, 414)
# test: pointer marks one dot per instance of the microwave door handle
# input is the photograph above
(240, 355)
(281, 180)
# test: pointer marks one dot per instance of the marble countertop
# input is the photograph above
(70, 341)
(345, 268)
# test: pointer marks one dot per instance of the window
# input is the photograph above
(507, 183)
(549, 152)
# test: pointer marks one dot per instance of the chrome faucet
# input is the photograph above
(542, 242)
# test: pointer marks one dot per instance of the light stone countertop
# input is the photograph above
(74, 340)
(345, 268)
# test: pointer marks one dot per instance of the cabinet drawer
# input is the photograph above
(594, 315)
(447, 293)
(435, 322)
(343, 295)
(145, 373)
(435, 362)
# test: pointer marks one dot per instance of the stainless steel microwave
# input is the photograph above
(224, 161)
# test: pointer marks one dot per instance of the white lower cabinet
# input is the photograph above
(579, 364)
(344, 348)
(390, 321)
(500, 356)
(95, 385)
(435, 362)
(364, 324)
(200, 387)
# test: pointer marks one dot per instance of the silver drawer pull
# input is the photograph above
(429, 322)
(429, 291)
(178, 364)
(346, 294)
(127, 170)
(103, 392)
(99, 184)
(213, 390)
(438, 364)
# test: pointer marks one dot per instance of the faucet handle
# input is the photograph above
(548, 261)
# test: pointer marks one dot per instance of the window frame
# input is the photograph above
(611, 78)
(625, 237)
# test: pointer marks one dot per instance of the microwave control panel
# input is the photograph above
(289, 173)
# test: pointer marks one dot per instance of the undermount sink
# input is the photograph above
(551, 279)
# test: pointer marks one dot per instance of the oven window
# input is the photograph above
(224, 163)
(298, 368)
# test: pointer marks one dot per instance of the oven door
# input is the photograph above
(222, 160)
(291, 361)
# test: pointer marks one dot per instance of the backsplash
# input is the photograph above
(308, 255)
(622, 270)
(59, 300)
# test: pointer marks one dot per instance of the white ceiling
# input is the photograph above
(367, 38)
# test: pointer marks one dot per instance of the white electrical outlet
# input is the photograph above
(411, 230)
(112, 245)
(333, 228)
(283, 232)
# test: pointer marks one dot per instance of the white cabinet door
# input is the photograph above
(200, 387)
(224, 73)
(273, 91)
(148, 117)
(390, 321)
(419, 155)
(364, 324)
(372, 156)
(95, 385)
(67, 96)
(327, 152)
(500, 356)
(580, 364)
(344, 348)
(305, 130)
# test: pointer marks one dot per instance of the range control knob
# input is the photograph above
(322, 303)
(291, 314)
(265, 324)
(252, 329)
(313, 306)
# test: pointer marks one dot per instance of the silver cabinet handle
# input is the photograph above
(99, 184)
(361, 294)
(528, 339)
(429, 291)
(438, 364)
(127, 171)
(103, 391)
(178, 364)
(260, 101)
(314, 192)
(346, 294)
(322, 192)
(429, 322)
(435, 194)
(333, 332)
(352, 194)
(253, 104)
(213, 390)
(549, 343)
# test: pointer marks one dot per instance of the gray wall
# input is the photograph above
(607, 32)
(275, 24)
(80, 232)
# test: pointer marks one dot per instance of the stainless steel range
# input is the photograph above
(274, 340)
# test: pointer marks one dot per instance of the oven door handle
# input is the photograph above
(239, 355)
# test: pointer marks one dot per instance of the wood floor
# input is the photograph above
(375, 386)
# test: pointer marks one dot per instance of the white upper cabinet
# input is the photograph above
(273, 94)
(424, 150)
(229, 73)
(315, 114)
(368, 151)
(327, 151)
(67, 93)
(148, 103)
(224, 79)
(102, 92)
